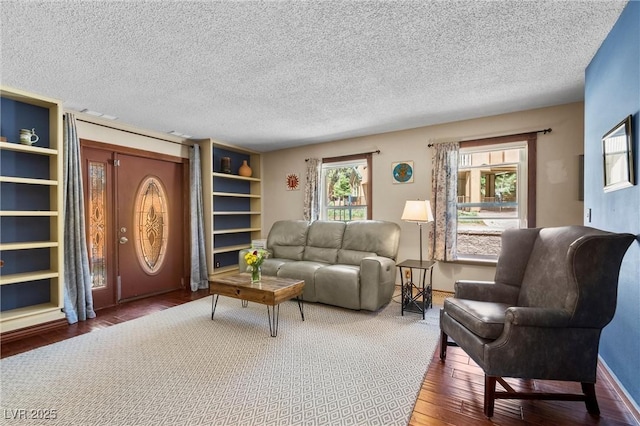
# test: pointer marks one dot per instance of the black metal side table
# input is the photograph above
(416, 297)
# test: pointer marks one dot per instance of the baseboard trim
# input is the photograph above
(22, 333)
(619, 389)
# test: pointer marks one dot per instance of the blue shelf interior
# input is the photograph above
(231, 222)
(20, 229)
(24, 165)
(231, 204)
(20, 295)
(19, 196)
(236, 159)
(236, 239)
(221, 184)
(226, 259)
(18, 115)
(225, 240)
(19, 261)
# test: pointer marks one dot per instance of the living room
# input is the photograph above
(577, 127)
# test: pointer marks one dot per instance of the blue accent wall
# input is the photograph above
(612, 92)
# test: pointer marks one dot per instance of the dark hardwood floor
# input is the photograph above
(451, 394)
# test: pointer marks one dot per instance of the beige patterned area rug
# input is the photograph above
(178, 367)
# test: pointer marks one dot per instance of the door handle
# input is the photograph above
(123, 240)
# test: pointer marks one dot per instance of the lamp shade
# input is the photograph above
(417, 211)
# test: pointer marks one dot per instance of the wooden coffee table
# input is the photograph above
(270, 291)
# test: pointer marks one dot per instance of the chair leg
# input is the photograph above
(489, 395)
(443, 345)
(590, 401)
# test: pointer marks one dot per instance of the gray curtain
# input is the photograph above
(78, 300)
(444, 194)
(199, 274)
(311, 190)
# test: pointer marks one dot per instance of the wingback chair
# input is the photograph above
(554, 291)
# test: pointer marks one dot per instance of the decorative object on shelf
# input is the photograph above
(27, 136)
(3, 138)
(402, 172)
(617, 149)
(254, 261)
(293, 182)
(245, 170)
(418, 211)
(225, 164)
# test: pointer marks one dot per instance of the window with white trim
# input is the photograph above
(494, 193)
(345, 188)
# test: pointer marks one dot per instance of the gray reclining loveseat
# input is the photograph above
(351, 265)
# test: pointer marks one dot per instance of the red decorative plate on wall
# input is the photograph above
(293, 182)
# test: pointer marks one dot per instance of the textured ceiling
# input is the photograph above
(270, 75)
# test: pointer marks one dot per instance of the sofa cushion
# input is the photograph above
(287, 239)
(372, 236)
(484, 319)
(303, 270)
(270, 266)
(339, 285)
(352, 257)
(324, 238)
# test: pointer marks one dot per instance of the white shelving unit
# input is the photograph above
(22, 278)
(232, 205)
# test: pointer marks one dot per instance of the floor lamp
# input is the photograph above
(418, 211)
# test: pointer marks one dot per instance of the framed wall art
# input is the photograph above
(402, 172)
(617, 156)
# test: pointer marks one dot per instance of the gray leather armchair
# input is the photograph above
(554, 291)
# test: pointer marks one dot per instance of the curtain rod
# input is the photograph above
(133, 133)
(377, 151)
(543, 131)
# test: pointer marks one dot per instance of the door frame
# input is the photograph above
(186, 231)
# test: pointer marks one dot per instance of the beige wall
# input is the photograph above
(557, 179)
(124, 135)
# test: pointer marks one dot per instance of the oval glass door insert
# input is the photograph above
(151, 223)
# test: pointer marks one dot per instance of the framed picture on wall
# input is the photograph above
(402, 172)
(617, 156)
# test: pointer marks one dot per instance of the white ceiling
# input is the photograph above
(271, 75)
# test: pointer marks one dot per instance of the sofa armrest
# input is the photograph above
(377, 281)
(386, 265)
(537, 317)
(538, 343)
(486, 291)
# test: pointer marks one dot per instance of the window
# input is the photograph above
(345, 192)
(496, 191)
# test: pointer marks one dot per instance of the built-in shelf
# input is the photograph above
(27, 276)
(10, 146)
(235, 231)
(235, 213)
(45, 311)
(238, 177)
(233, 210)
(30, 299)
(28, 245)
(225, 270)
(33, 213)
(235, 195)
(29, 181)
(228, 249)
